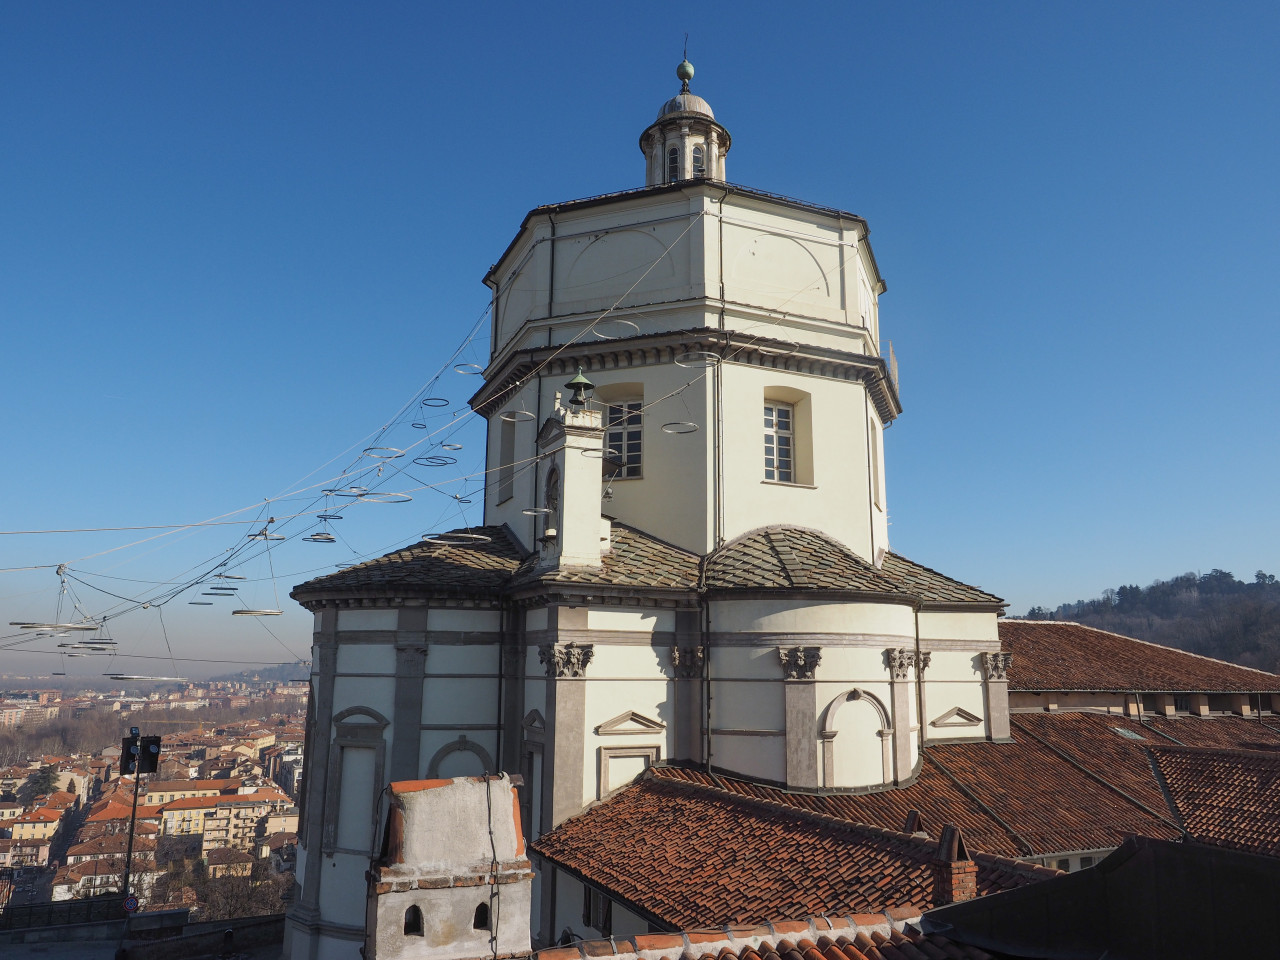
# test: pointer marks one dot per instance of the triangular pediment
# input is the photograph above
(956, 717)
(629, 723)
(534, 722)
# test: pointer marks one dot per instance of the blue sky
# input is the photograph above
(238, 237)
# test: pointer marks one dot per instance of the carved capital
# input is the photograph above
(565, 659)
(798, 663)
(900, 662)
(997, 665)
(925, 658)
(687, 661)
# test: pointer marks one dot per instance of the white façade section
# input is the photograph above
(444, 659)
(460, 701)
(843, 622)
(340, 888)
(639, 621)
(366, 658)
(830, 487)
(958, 626)
(464, 621)
(629, 716)
(367, 620)
(953, 692)
(536, 619)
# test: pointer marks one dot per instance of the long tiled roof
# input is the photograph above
(479, 566)
(880, 936)
(1227, 798)
(795, 558)
(685, 853)
(1053, 655)
(634, 559)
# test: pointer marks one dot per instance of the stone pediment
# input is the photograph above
(629, 723)
(956, 717)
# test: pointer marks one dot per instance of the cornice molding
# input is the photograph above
(662, 348)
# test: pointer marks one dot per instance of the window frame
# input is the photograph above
(673, 164)
(774, 437)
(632, 421)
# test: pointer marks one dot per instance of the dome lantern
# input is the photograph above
(685, 142)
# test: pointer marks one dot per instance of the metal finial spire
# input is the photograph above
(685, 71)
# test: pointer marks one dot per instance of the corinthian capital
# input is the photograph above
(798, 663)
(996, 665)
(565, 659)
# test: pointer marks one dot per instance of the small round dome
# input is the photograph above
(686, 103)
(684, 72)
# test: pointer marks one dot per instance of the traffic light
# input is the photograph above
(139, 755)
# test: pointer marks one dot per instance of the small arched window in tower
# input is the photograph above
(673, 165)
(413, 922)
(699, 161)
(481, 922)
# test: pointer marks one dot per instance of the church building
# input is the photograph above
(685, 551)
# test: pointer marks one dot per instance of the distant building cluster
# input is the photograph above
(221, 804)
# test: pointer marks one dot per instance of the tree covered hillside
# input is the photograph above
(1213, 614)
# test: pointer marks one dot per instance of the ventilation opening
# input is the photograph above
(413, 922)
(481, 921)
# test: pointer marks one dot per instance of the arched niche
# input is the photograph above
(857, 741)
(445, 757)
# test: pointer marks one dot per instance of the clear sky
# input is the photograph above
(236, 238)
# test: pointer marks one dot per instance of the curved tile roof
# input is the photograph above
(792, 558)
(634, 559)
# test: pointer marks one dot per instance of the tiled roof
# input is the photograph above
(868, 936)
(931, 586)
(787, 557)
(777, 557)
(1019, 799)
(686, 853)
(1053, 655)
(1068, 782)
(474, 567)
(1227, 798)
(116, 843)
(634, 559)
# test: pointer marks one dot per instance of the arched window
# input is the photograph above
(413, 922)
(481, 922)
(699, 161)
(673, 165)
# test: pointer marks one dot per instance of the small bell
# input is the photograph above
(582, 389)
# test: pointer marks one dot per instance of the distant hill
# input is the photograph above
(1212, 614)
(284, 672)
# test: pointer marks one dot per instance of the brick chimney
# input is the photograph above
(955, 876)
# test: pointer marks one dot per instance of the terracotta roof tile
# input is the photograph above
(1054, 655)
(893, 935)
(686, 852)
(1227, 798)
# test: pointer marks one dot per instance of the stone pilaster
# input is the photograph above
(800, 693)
(996, 689)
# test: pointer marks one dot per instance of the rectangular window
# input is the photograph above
(622, 436)
(1086, 862)
(597, 911)
(779, 442)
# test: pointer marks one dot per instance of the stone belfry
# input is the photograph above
(684, 553)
